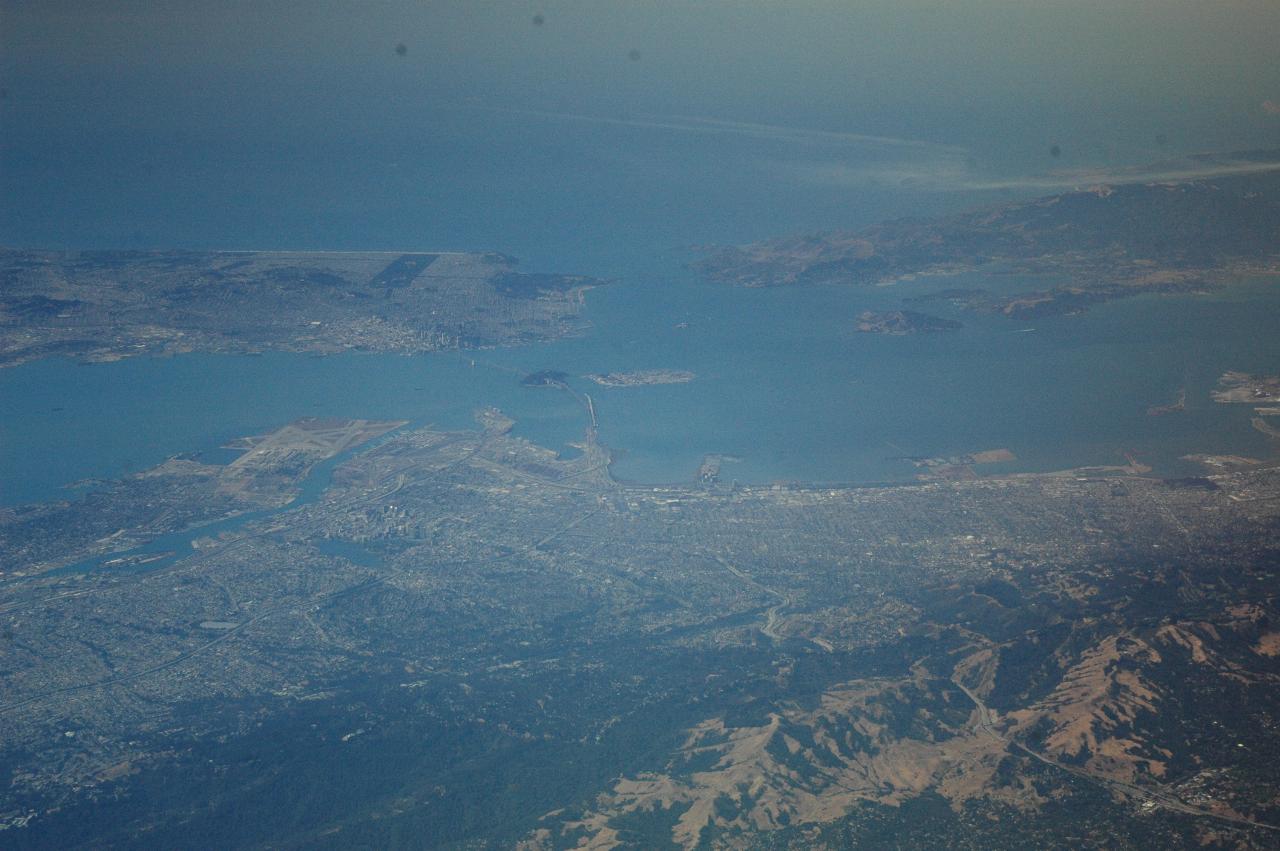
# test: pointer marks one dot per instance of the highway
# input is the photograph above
(1156, 795)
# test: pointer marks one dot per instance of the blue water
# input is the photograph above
(168, 548)
(783, 382)
(234, 131)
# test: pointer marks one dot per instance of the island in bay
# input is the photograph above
(1242, 387)
(898, 323)
(642, 377)
(1260, 390)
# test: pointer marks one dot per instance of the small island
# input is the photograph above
(1262, 391)
(1171, 408)
(1241, 387)
(545, 378)
(901, 322)
(956, 467)
(642, 377)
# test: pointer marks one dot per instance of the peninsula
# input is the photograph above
(1086, 246)
(108, 305)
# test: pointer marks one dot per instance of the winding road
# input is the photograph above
(1161, 797)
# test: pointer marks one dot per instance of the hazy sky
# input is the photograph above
(993, 84)
(901, 65)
